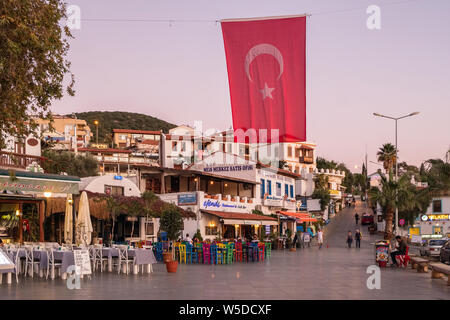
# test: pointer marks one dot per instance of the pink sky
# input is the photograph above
(178, 72)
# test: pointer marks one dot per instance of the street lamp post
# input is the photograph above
(96, 124)
(396, 158)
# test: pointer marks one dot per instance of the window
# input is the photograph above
(269, 187)
(122, 137)
(291, 187)
(278, 189)
(241, 150)
(289, 151)
(150, 229)
(286, 190)
(263, 188)
(437, 206)
(297, 153)
(230, 148)
(174, 146)
(183, 146)
(114, 190)
(210, 231)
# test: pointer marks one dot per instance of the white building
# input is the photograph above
(435, 223)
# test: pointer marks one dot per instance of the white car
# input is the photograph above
(433, 247)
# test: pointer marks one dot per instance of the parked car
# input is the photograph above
(367, 218)
(445, 253)
(433, 247)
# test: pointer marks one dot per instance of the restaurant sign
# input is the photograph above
(433, 217)
(216, 204)
(38, 185)
(187, 199)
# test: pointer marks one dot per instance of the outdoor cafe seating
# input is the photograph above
(48, 258)
(225, 252)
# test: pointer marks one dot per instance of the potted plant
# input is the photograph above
(171, 222)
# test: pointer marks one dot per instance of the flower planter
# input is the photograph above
(242, 200)
(293, 249)
(250, 201)
(167, 257)
(233, 199)
(207, 196)
(215, 197)
(172, 266)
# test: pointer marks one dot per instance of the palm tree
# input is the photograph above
(387, 155)
(401, 194)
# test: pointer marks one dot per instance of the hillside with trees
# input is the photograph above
(121, 120)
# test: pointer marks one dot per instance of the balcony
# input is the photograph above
(18, 160)
(308, 160)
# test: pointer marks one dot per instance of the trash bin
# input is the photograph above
(382, 253)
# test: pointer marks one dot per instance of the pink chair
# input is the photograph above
(206, 253)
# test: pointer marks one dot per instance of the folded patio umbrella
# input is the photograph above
(83, 223)
(68, 223)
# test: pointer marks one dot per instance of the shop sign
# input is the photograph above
(211, 204)
(432, 217)
(35, 185)
(228, 168)
(187, 199)
(82, 261)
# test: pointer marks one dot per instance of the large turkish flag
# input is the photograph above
(266, 62)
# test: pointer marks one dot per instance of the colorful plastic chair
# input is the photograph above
(207, 253)
(182, 252)
(261, 251)
(238, 253)
(268, 249)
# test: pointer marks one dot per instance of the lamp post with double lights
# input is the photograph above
(396, 156)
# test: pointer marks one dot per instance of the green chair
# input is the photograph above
(230, 253)
(268, 249)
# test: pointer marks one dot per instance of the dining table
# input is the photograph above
(141, 257)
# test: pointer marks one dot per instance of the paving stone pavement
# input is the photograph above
(336, 272)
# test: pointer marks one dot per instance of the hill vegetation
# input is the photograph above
(121, 120)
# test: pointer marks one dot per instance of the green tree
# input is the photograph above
(33, 48)
(399, 194)
(171, 222)
(321, 191)
(68, 162)
(387, 155)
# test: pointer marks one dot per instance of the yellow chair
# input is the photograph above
(182, 253)
(221, 253)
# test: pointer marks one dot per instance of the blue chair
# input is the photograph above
(213, 249)
(191, 255)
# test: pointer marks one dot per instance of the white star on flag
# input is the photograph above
(266, 92)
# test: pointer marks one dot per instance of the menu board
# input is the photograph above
(82, 261)
(5, 262)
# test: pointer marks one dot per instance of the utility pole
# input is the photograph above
(396, 160)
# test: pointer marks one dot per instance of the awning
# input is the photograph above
(252, 222)
(297, 215)
(242, 218)
(231, 221)
(269, 223)
(38, 182)
(301, 220)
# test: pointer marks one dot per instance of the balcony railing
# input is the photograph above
(18, 160)
(304, 159)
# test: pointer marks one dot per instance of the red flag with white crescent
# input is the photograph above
(266, 62)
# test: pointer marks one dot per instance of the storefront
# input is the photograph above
(23, 201)
(234, 225)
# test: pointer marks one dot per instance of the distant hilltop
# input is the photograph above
(109, 120)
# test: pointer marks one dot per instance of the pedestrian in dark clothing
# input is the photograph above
(356, 217)
(349, 239)
(400, 251)
(294, 244)
(358, 237)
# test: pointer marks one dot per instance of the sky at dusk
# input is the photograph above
(177, 71)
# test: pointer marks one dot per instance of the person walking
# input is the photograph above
(320, 238)
(349, 239)
(356, 217)
(358, 237)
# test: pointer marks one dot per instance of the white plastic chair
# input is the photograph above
(99, 259)
(52, 264)
(123, 258)
(30, 262)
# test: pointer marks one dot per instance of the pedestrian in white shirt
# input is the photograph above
(188, 239)
(320, 238)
